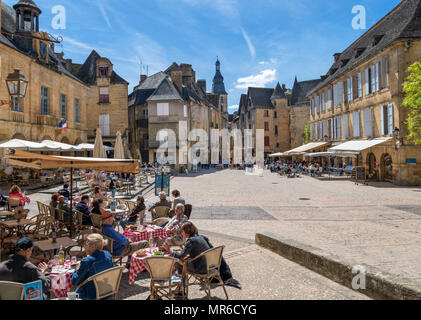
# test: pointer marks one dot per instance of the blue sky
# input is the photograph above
(259, 42)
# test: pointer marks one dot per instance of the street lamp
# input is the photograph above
(396, 132)
(16, 85)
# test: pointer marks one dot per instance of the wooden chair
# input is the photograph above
(110, 248)
(106, 283)
(11, 290)
(80, 252)
(160, 212)
(79, 226)
(213, 259)
(42, 232)
(162, 285)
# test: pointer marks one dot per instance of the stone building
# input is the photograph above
(164, 99)
(58, 89)
(360, 99)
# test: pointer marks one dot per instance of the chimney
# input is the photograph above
(177, 79)
(336, 56)
(284, 87)
(202, 84)
(143, 77)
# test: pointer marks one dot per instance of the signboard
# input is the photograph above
(411, 161)
(162, 183)
(33, 290)
(360, 174)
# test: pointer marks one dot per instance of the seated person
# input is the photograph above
(96, 261)
(65, 192)
(195, 245)
(98, 194)
(163, 202)
(83, 207)
(19, 269)
(132, 219)
(177, 199)
(173, 227)
(69, 217)
(54, 203)
(121, 245)
(16, 192)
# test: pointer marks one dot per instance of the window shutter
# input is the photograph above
(338, 120)
(345, 126)
(390, 121)
(377, 76)
(382, 132)
(311, 132)
(329, 99)
(367, 82)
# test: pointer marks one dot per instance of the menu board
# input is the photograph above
(33, 290)
(360, 174)
(162, 184)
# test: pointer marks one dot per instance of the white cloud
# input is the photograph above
(104, 13)
(252, 49)
(233, 108)
(262, 63)
(258, 80)
(150, 52)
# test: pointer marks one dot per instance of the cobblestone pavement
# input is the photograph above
(378, 225)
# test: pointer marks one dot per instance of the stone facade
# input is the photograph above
(368, 100)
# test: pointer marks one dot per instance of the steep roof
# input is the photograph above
(243, 103)
(218, 86)
(87, 72)
(261, 97)
(300, 90)
(165, 91)
(402, 23)
(278, 93)
(153, 81)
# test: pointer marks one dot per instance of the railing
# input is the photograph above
(17, 116)
(47, 120)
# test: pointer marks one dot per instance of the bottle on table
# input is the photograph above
(61, 256)
(54, 235)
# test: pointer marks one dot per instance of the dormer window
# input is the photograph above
(377, 39)
(43, 50)
(333, 71)
(359, 52)
(344, 62)
(103, 71)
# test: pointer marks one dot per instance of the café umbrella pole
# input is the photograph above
(71, 197)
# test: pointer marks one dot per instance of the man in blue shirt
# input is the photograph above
(83, 207)
(96, 262)
(121, 245)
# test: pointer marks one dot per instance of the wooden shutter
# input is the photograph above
(367, 82)
(345, 126)
(382, 131)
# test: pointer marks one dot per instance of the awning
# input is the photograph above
(26, 145)
(59, 146)
(319, 154)
(275, 155)
(306, 148)
(39, 161)
(91, 147)
(355, 147)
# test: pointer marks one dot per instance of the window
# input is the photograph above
(316, 131)
(338, 128)
(359, 85)
(332, 128)
(338, 94)
(63, 112)
(163, 138)
(104, 124)
(145, 114)
(322, 101)
(43, 50)
(275, 115)
(267, 141)
(345, 126)
(372, 79)
(329, 99)
(312, 106)
(317, 104)
(44, 100)
(387, 122)
(384, 72)
(186, 113)
(103, 72)
(16, 104)
(368, 122)
(356, 123)
(325, 128)
(163, 109)
(349, 89)
(104, 95)
(312, 131)
(266, 113)
(266, 126)
(276, 130)
(77, 111)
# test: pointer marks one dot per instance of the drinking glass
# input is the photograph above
(74, 260)
(68, 259)
(57, 259)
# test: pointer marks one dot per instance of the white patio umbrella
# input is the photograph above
(119, 149)
(59, 145)
(27, 145)
(99, 151)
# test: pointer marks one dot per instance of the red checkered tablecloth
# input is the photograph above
(150, 233)
(61, 284)
(137, 266)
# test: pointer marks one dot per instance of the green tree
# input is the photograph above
(307, 134)
(412, 100)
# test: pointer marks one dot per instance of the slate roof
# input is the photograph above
(402, 23)
(153, 81)
(165, 91)
(300, 90)
(278, 93)
(218, 86)
(261, 97)
(29, 3)
(87, 72)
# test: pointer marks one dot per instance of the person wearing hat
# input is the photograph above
(19, 269)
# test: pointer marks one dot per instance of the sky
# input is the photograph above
(259, 42)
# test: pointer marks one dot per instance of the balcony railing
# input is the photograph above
(47, 120)
(17, 116)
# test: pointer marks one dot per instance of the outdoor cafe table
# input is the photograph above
(61, 283)
(148, 234)
(48, 245)
(137, 266)
(6, 214)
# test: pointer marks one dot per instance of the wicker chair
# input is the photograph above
(106, 283)
(96, 222)
(160, 212)
(11, 290)
(14, 203)
(162, 285)
(110, 248)
(42, 230)
(213, 265)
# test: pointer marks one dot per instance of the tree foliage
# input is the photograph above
(412, 100)
(307, 134)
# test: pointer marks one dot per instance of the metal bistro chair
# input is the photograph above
(162, 281)
(11, 290)
(106, 282)
(213, 265)
(96, 222)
